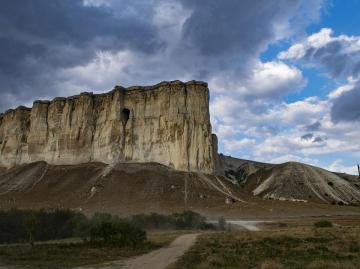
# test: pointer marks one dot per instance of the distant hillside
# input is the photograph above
(291, 181)
(241, 189)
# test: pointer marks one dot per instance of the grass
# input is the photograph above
(293, 248)
(64, 255)
(69, 255)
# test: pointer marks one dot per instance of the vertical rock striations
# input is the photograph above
(167, 123)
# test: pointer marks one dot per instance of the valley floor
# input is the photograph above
(68, 254)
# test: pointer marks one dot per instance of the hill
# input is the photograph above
(292, 181)
(241, 189)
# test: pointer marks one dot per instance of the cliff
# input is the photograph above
(167, 123)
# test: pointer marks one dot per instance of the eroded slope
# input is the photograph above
(292, 181)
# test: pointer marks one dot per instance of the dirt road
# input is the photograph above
(158, 259)
(250, 225)
(163, 257)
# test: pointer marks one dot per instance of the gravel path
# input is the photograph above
(159, 259)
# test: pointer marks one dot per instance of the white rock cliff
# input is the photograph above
(168, 123)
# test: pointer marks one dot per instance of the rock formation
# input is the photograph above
(168, 123)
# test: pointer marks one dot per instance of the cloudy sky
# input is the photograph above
(284, 75)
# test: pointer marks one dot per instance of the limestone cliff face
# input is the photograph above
(167, 123)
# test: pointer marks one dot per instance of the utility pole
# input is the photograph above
(359, 170)
(186, 191)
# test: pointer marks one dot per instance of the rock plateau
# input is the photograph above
(168, 123)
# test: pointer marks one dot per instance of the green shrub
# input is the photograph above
(189, 220)
(38, 225)
(117, 233)
(184, 220)
(323, 224)
(152, 221)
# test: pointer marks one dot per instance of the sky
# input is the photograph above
(284, 75)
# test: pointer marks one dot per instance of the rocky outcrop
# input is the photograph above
(168, 123)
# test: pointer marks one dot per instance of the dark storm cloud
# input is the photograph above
(37, 37)
(318, 139)
(41, 38)
(347, 106)
(311, 137)
(313, 127)
(236, 27)
(70, 22)
(308, 136)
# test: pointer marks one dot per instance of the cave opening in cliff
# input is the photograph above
(125, 114)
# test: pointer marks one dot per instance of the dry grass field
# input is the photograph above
(285, 247)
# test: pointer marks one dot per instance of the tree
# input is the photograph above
(31, 225)
(117, 233)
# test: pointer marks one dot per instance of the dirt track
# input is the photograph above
(165, 256)
(159, 259)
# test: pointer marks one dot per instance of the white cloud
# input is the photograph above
(302, 112)
(235, 145)
(293, 158)
(321, 38)
(298, 50)
(274, 78)
(340, 55)
(340, 90)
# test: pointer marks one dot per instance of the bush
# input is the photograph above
(117, 233)
(152, 221)
(184, 220)
(31, 225)
(189, 220)
(323, 224)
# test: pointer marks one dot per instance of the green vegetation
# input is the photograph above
(186, 220)
(295, 248)
(117, 233)
(323, 224)
(21, 226)
(18, 226)
(105, 237)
